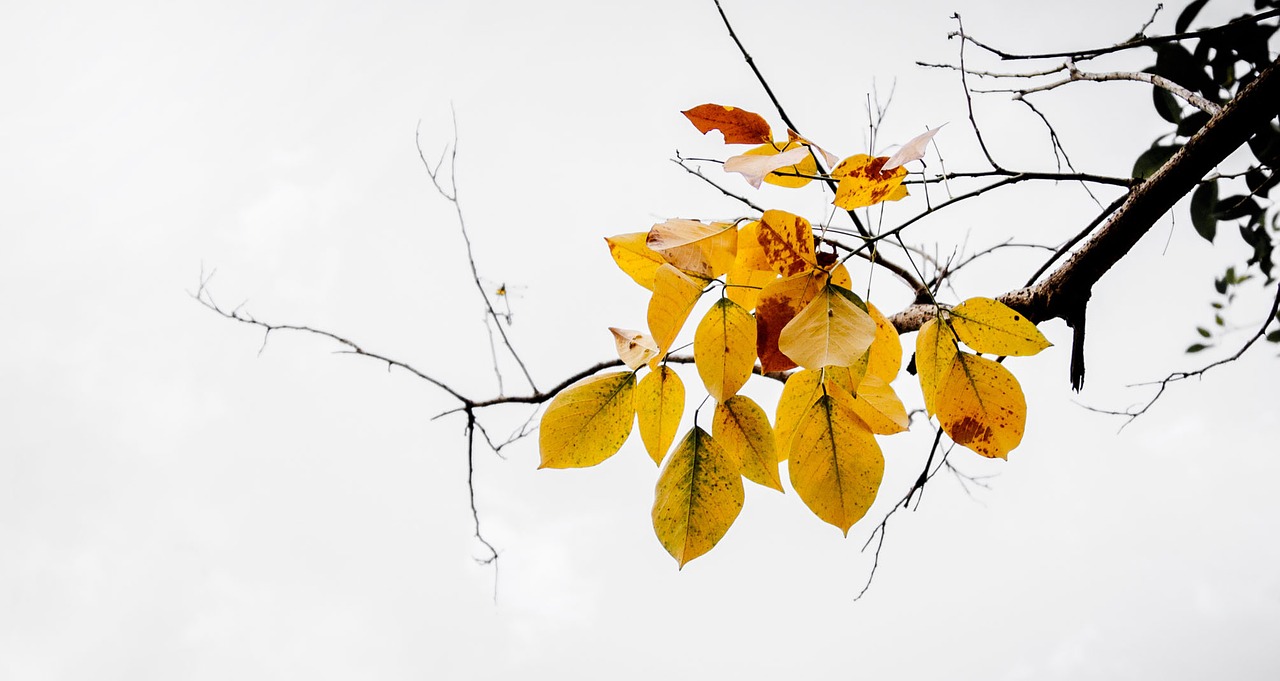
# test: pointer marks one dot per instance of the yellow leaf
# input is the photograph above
(863, 183)
(634, 348)
(698, 496)
(787, 241)
(697, 249)
(836, 465)
(779, 302)
(766, 161)
(981, 406)
(886, 349)
(878, 406)
(832, 330)
(634, 257)
(801, 390)
(751, 271)
(799, 393)
(992, 327)
(724, 348)
(659, 402)
(674, 295)
(742, 428)
(587, 422)
(935, 346)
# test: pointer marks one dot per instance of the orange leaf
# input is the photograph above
(738, 126)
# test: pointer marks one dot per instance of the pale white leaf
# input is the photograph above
(754, 167)
(911, 151)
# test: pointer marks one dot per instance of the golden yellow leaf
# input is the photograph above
(981, 406)
(659, 403)
(742, 428)
(836, 465)
(587, 422)
(674, 295)
(787, 242)
(696, 248)
(634, 257)
(738, 126)
(878, 406)
(935, 347)
(775, 163)
(863, 183)
(886, 349)
(698, 496)
(724, 348)
(778, 303)
(634, 348)
(801, 390)
(832, 330)
(992, 327)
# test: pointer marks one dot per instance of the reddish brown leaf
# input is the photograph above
(738, 126)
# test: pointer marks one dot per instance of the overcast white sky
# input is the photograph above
(174, 505)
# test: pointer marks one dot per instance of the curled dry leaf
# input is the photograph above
(695, 248)
(738, 126)
(634, 347)
(913, 150)
(762, 164)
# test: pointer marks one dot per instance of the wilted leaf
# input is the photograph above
(886, 350)
(981, 406)
(674, 295)
(935, 347)
(864, 182)
(990, 326)
(913, 150)
(698, 249)
(587, 422)
(634, 348)
(724, 348)
(659, 403)
(698, 496)
(759, 165)
(738, 126)
(742, 428)
(787, 242)
(879, 407)
(634, 257)
(832, 330)
(836, 465)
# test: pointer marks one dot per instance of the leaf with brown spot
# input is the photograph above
(787, 242)
(863, 183)
(698, 496)
(738, 126)
(742, 427)
(981, 406)
(659, 403)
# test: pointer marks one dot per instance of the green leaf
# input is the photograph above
(1203, 332)
(1151, 160)
(1166, 105)
(1204, 206)
(1192, 123)
(1187, 16)
(1197, 347)
(1274, 336)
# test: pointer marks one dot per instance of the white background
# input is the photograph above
(175, 505)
